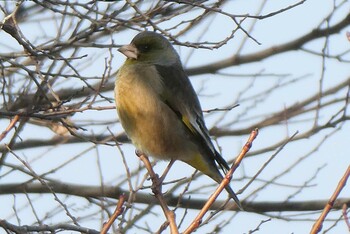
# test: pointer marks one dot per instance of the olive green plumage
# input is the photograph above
(159, 109)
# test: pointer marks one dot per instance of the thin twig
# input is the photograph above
(197, 221)
(9, 127)
(157, 191)
(118, 211)
(346, 218)
(318, 224)
(167, 170)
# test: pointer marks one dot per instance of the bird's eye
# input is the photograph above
(145, 48)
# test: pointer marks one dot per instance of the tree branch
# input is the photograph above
(295, 44)
(145, 198)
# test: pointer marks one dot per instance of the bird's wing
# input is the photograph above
(182, 99)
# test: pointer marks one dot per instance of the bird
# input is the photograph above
(160, 110)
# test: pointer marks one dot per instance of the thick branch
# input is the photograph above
(146, 198)
(45, 228)
(96, 139)
(295, 44)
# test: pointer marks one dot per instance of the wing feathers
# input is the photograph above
(182, 99)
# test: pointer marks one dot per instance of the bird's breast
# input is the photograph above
(152, 126)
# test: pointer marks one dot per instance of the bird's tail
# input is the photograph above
(211, 170)
(234, 196)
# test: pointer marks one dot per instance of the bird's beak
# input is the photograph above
(130, 51)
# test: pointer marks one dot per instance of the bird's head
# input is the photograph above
(151, 48)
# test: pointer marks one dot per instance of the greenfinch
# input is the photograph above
(159, 109)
